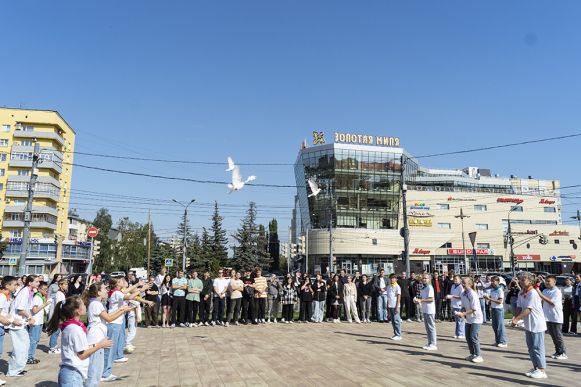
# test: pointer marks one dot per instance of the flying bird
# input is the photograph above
(314, 187)
(237, 182)
(231, 164)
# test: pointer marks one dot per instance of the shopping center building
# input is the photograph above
(360, 178)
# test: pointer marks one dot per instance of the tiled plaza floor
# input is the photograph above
(317, 355)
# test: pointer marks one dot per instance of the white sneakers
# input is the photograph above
(122, 360)
(110, 378)
(396, 338)
(501, 345)
(538, 374)
(560, 357)
(477, 359)
(430, 348)
(54, 350)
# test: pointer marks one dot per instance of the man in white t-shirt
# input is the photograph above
(428, 308)
(456, 303)
(380, 285)
(220, 286)
(529, 309)
(394, 305)
(553, 310)
(495, 295)
(39, 308)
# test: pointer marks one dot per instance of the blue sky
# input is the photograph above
(202, 80)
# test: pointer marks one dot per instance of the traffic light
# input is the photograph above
(543, 240)
(303, 245)
(96, 248)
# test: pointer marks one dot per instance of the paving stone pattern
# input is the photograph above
(317, 355)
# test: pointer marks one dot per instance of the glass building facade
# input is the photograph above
(360, 186)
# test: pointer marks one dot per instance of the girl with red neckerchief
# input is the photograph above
(75, 350)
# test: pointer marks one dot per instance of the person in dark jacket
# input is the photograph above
(406, 301)
(319, 298)
(335, 293)
(329, 300)
(438, 288)
(306, 294)
(364, 294)
(206, 298)
(248, 313)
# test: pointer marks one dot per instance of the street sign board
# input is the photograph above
(12, 261)
(168, 262)
(472, 236)
(92, 232)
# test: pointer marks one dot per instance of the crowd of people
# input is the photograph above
(113, 311)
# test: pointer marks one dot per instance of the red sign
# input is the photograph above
(509, 200)
(546, 201)
(421, 251)
(92, 232)
(469, 252)
(559, 233)
(527, 257)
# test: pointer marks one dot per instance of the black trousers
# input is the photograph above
(205, 309)
(374, 308)
(406, 305)
(151, 314)
(192, 310)
(328, 304)
(287, 312)
(438, 306)
(178, 310)
(307, 310)
(248, 312)
(260, 307)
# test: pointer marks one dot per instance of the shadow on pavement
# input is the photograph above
(46, 384)
(528, 382)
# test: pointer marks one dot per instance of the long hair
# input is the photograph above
(91, 292)
(29, 279)
(54, 278)
(63, 310)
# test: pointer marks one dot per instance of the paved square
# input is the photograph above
(317, 355)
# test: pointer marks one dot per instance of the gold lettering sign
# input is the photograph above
(354, 138)
(318, 138)
(420, 222)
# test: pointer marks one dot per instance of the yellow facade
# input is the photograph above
(19, 130)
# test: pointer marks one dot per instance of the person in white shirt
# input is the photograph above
(428, 309)
(553, 310)
(380, 285)
(495, 296)
(97, 319)
(76, 350)
(9, 286)
(63, 288)
(39, 309)
(530, 310)
(472, 312)
(220, 286)
(456, 304)
(21, 309)
(394, 305)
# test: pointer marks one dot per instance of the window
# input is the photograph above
(557, 241)
(444, 225)
(2, 156)
(480, 207)
(2, 171)
(550, 209)
(483, 245)
(5, 128)
(1, 186)
(444, 206)
(3, 142)
(516, 208)
(26, 143)
(23, 172)
(19, 202)
(16, 234)
(481, 226)
(28, 128)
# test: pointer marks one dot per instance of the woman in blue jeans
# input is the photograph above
(75, 350)
(472, 312)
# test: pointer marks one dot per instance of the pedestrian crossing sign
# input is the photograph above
(168, 262)
(12, 261)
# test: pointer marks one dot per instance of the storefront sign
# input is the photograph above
(18, 241)
(470, 251)
(420, 206)
(527, 257)
(421, 251)
(420, 222)
(453, 199)
(509, 200)
(420, 214)
(563, 258)
(527, 232)
(354, 138)
(546, 201)
(559, 233)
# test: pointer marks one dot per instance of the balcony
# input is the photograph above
(11, 193)
(34, 224)
(35, 209)
(54, 163)
(40, 179)
(44, 135)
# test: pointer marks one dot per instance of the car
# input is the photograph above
(561, 281)
(116, 274)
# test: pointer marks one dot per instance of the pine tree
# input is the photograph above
(196, 261)
(184, 225)
(103, 261)
(245, 254)
(219, 241)
(263, 256)
(206, 249)
(274, 244)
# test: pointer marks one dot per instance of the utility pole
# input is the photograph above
(578, 219)
(466, 263)
(28, 211)
(330, 238)
(405, 231)
(307, 250)
(184, 241)
(511, 242)
(148, 243)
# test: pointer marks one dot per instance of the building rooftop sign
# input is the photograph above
(354, 138)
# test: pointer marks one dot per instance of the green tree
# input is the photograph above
(245, 253)
(274, 245)
(103, 261)
(219, 241)
(262, 254)
(131, 251)
(160, 252)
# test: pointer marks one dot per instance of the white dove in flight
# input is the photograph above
(231, 164)
(237, 182)
(314, 187)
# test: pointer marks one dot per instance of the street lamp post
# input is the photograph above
(578, 219)
(466, 264)
(511, 242)
(184, 242)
